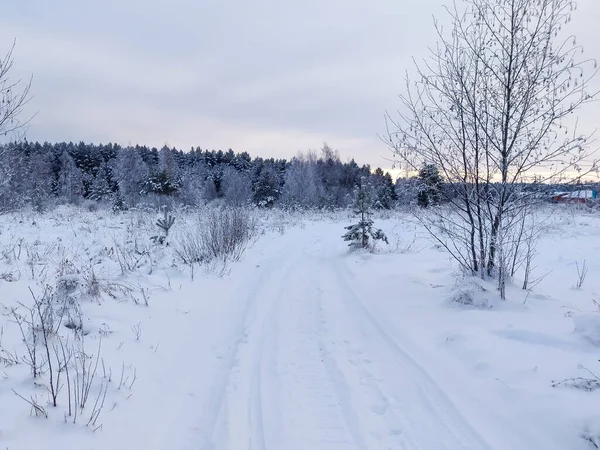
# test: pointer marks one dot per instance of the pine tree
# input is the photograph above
(359, 234)
(100, 187)
(162, 184)
(266, 188)
(166, 180)
(430, 186)
(389, 182)
(384, 190)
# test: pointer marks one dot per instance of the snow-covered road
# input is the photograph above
(299, 362)
(312, 368)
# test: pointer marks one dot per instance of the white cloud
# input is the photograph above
(266, 76)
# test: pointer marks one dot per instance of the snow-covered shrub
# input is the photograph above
(223, 235)
(228, 232)
(66, 285)
(583, 384)
(66, 298)
(471, 293)
(189, 246)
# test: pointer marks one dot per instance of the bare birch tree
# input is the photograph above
(14, 95)
(491, 107)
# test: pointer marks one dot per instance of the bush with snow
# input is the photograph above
(472, 293)
(222, 236)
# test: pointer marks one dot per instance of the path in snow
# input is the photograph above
(308, 366)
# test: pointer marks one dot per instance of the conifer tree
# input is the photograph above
(430, 186)
(100, 187)
(362, 232)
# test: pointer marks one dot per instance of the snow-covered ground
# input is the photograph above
(299, 345)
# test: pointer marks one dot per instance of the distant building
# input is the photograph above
(583, 196)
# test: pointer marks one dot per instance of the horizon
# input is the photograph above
(567, 178)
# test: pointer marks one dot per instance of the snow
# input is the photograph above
(304, 344)
(588, 327)
(592, 432)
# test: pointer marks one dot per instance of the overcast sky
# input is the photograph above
(266, 76)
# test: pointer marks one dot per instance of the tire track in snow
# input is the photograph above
(255, 407)
(338, 380)
(315, 412)
(215, 425)
(364, 398)
(458, 434)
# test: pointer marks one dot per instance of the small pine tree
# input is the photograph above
(165, 225)
(360, 233)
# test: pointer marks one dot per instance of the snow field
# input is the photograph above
(303, 344)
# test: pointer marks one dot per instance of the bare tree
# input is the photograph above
(14, 95)
(236, 187)
(303, 186)
(491, 109)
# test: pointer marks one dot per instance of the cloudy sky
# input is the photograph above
(267, 76)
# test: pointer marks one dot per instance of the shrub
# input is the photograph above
(223, 235)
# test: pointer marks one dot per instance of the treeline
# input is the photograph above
(43, 174)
